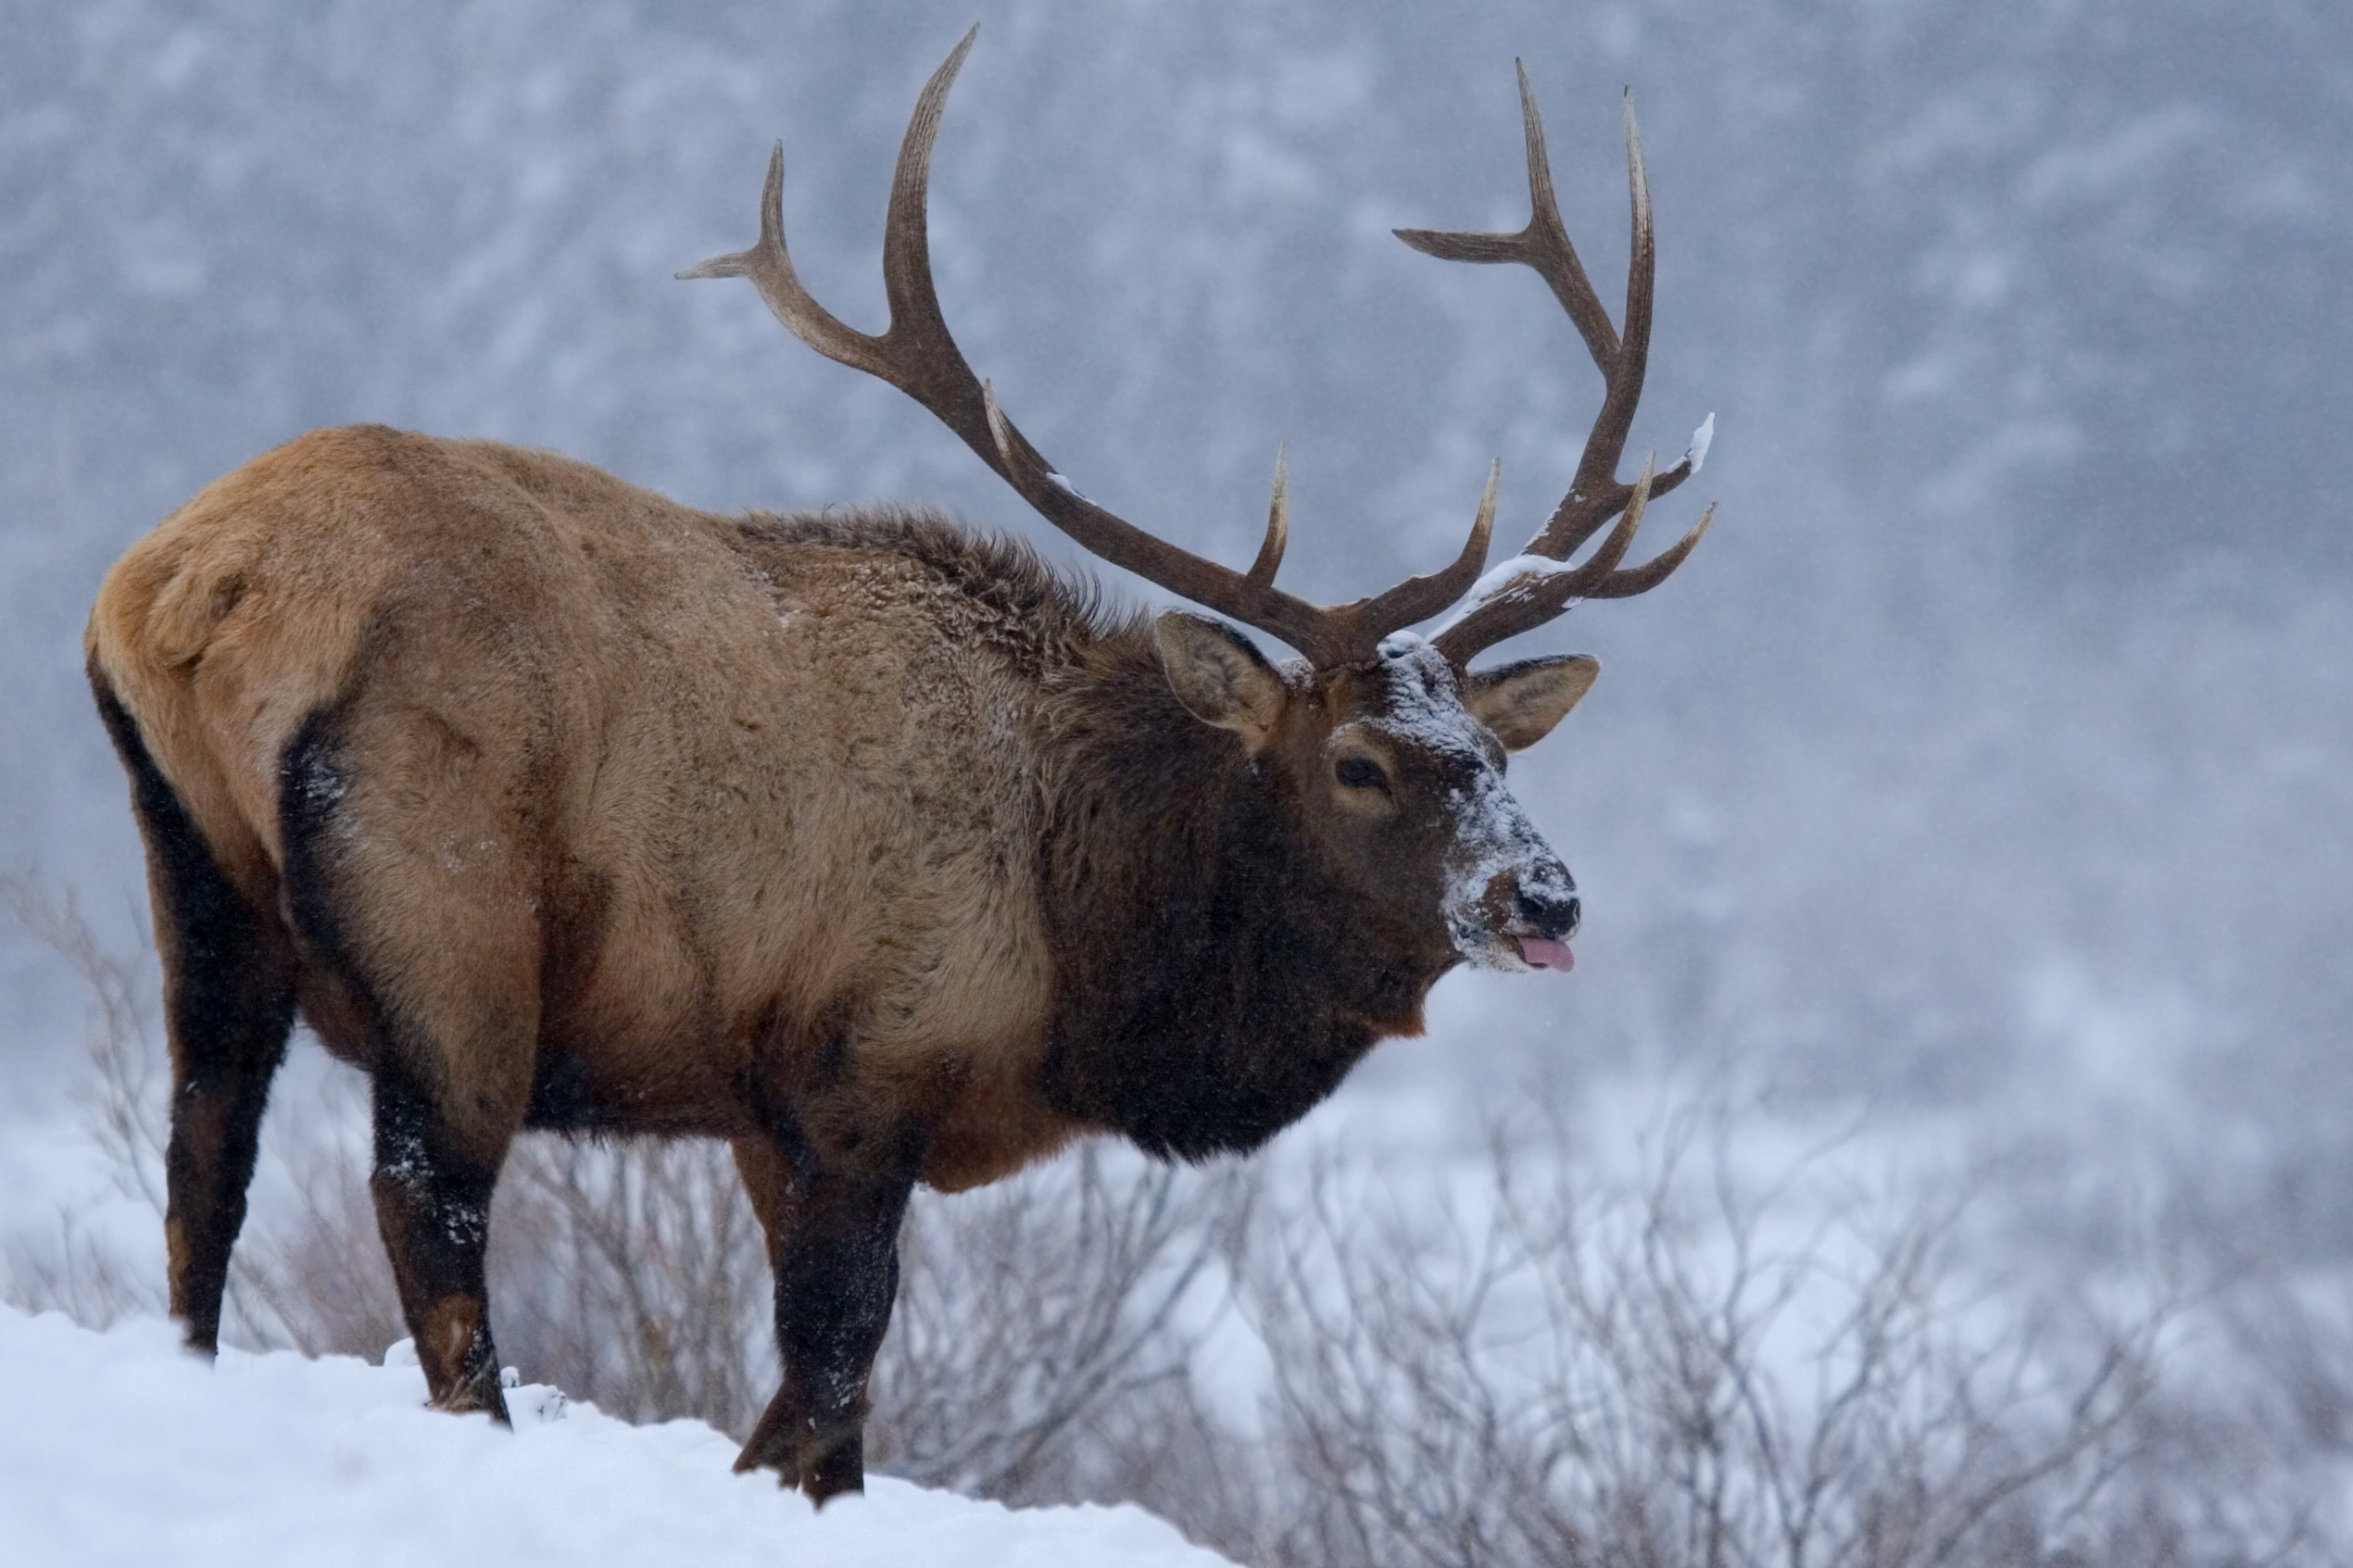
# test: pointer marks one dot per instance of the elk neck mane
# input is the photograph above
(1211, 984)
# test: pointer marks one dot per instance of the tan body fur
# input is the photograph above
(694, 793)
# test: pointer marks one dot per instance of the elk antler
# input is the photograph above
(917, 356)
(1538, 584)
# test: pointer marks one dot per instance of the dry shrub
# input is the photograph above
(1681, 1369)
(308, 1272)
(1046, 1327)
(634, 1276)
(120, 1093)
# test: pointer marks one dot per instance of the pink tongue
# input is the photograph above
(1545, 953)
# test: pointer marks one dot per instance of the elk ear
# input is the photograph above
(1219, 676)
(1522, 702)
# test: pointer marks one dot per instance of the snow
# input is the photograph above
(121, 1449)
(1498, 578)
(1702, 439)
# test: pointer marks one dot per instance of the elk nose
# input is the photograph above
(1552, 910)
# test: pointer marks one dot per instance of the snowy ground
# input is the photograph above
(119, 1448)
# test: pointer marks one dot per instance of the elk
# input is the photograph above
(869, 844)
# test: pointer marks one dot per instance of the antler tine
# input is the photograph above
(1270, 552)
(1418, 598)
(1597, 469)
(1541, 243)
(1362, 623)
(1536, 593)
(770, 271)
(917, 355)
(1642, 579)
(1595, 494)
(1529, 598)
(917, 335)
(942, 381)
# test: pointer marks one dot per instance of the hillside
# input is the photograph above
(121, 1449)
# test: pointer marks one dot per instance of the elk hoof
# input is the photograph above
(824, 1462)
(475, 1396)
(832, 1466)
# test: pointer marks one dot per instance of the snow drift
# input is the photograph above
(121, 1448)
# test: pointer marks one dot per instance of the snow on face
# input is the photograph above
(1492, 835)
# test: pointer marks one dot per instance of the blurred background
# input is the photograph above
(1988, 773)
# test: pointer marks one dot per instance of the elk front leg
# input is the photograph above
(832, 1235)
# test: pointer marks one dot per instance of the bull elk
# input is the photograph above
(871, 844)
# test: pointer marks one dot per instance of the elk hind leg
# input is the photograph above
(228, 984)
(438, 953)
(432, 1184)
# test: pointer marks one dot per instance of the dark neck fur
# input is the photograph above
(1212, 986)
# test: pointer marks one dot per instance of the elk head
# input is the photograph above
(1388, 749)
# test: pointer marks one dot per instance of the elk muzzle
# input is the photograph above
(1546, 914)
(1510, 902)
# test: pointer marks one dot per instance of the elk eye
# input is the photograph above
(1362, 773)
